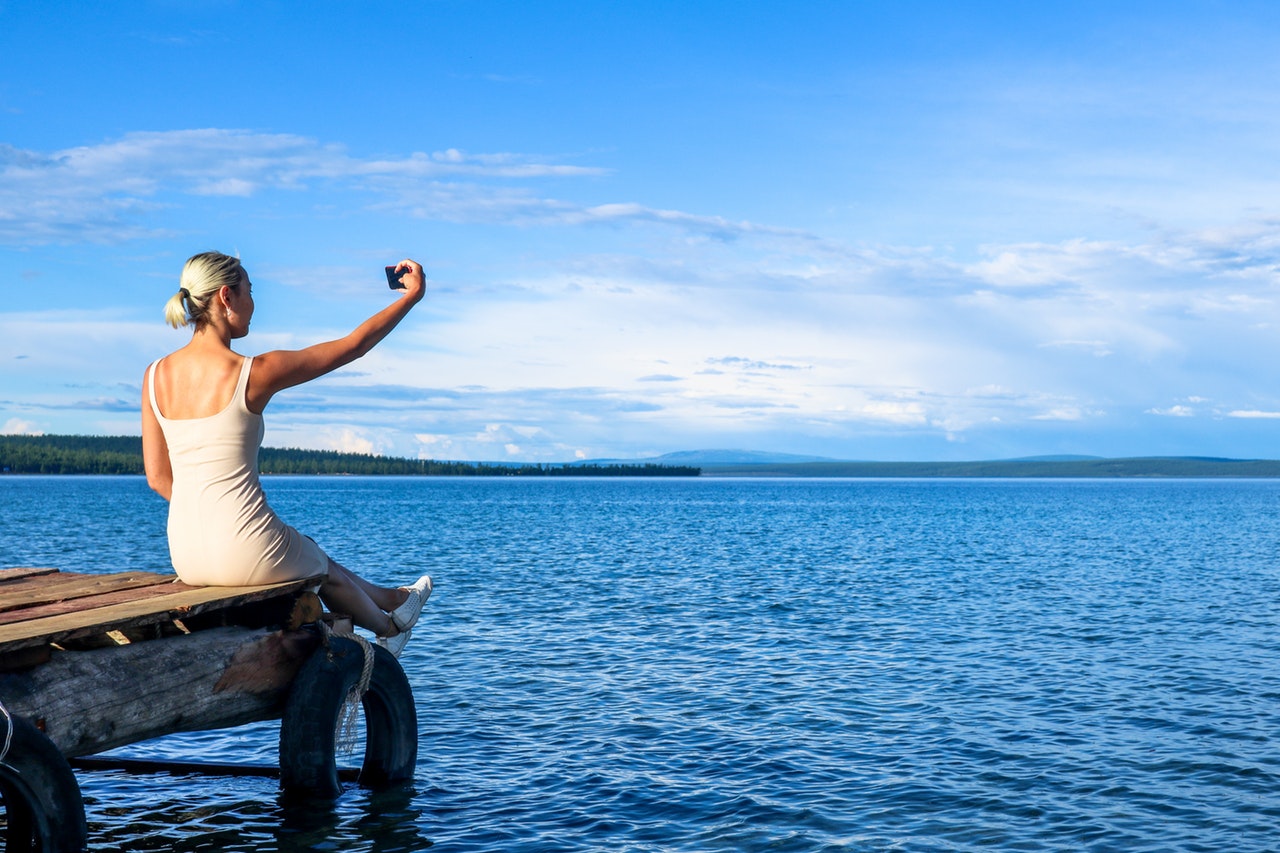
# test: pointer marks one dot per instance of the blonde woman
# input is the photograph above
(202, 426)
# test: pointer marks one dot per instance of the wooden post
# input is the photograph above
(90, 701)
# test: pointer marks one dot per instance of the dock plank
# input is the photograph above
(22, 572)
(38, 590)
(127, 608)
(107, 598)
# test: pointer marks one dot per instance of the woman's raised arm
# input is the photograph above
(279, 369)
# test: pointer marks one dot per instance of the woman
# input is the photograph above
(201, 430)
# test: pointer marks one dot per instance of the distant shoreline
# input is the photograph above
(68, 454)
(122, 454)
(1174, 467)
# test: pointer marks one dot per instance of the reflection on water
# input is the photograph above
(386, 822)
(210, 812)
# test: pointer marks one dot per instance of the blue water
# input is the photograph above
(741, 665)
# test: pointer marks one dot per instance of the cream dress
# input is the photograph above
(221, 530)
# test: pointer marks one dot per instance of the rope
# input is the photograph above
(8, 733)
(350, 713)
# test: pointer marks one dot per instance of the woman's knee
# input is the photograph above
(336, 581)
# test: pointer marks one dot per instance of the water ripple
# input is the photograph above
(764, 665)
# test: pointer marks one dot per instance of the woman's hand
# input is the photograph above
(414, 281)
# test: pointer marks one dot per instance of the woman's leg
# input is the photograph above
(387, 598)
(343, 591)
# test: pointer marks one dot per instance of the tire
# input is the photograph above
(42, 804)
(308, 730)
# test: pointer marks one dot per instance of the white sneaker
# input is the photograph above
(395, 644)
(405, 616)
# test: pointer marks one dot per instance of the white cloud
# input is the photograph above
(711, 326)
(226, 187)
(1040, 264)
(712, 226)
(104, 193)
(1096, 348)
(1062, 413)
(17, 426)
(351, 441)
(455, 162)
(114, 191)
(904, 414)
(602, 351)
(1253, 414)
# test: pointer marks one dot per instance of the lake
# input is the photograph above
(758, 664)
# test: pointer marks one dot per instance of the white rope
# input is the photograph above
(345, 736)
(8, 733)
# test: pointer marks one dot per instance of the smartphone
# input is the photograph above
(393, 278)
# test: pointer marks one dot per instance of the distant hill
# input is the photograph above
(736, 457)
(748, 463)
(1080, 467)
(703, 458)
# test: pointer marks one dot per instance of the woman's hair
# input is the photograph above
(202, 277)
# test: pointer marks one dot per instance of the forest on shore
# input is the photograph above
(96, 454)
(122, 454)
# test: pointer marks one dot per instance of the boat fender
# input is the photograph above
(309, 730)
(42, 804)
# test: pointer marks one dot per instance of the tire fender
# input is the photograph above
(308, 730)
(42, 804)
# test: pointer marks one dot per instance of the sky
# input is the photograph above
(859, 230)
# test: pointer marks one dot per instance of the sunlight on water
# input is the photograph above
(746, 665)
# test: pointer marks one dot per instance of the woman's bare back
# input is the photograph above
(194, 384)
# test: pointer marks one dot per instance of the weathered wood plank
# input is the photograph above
(137, 611)
(106, 599)
(92, 701)
(48, 589)
(14, 574)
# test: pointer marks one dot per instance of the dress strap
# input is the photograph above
(151, 388)
(242, 385)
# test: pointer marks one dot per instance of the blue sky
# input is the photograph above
(862, 230)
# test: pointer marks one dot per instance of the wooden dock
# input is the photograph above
(90, 662)
(80, 654)
(42, 609)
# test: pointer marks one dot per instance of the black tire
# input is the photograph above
(308, 731)
(42, 805)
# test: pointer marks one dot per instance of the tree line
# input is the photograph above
(111, 454)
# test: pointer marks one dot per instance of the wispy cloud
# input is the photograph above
(686, 326)
(1253, 414)
(751, 364)
(102, 192)
(111, 192)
